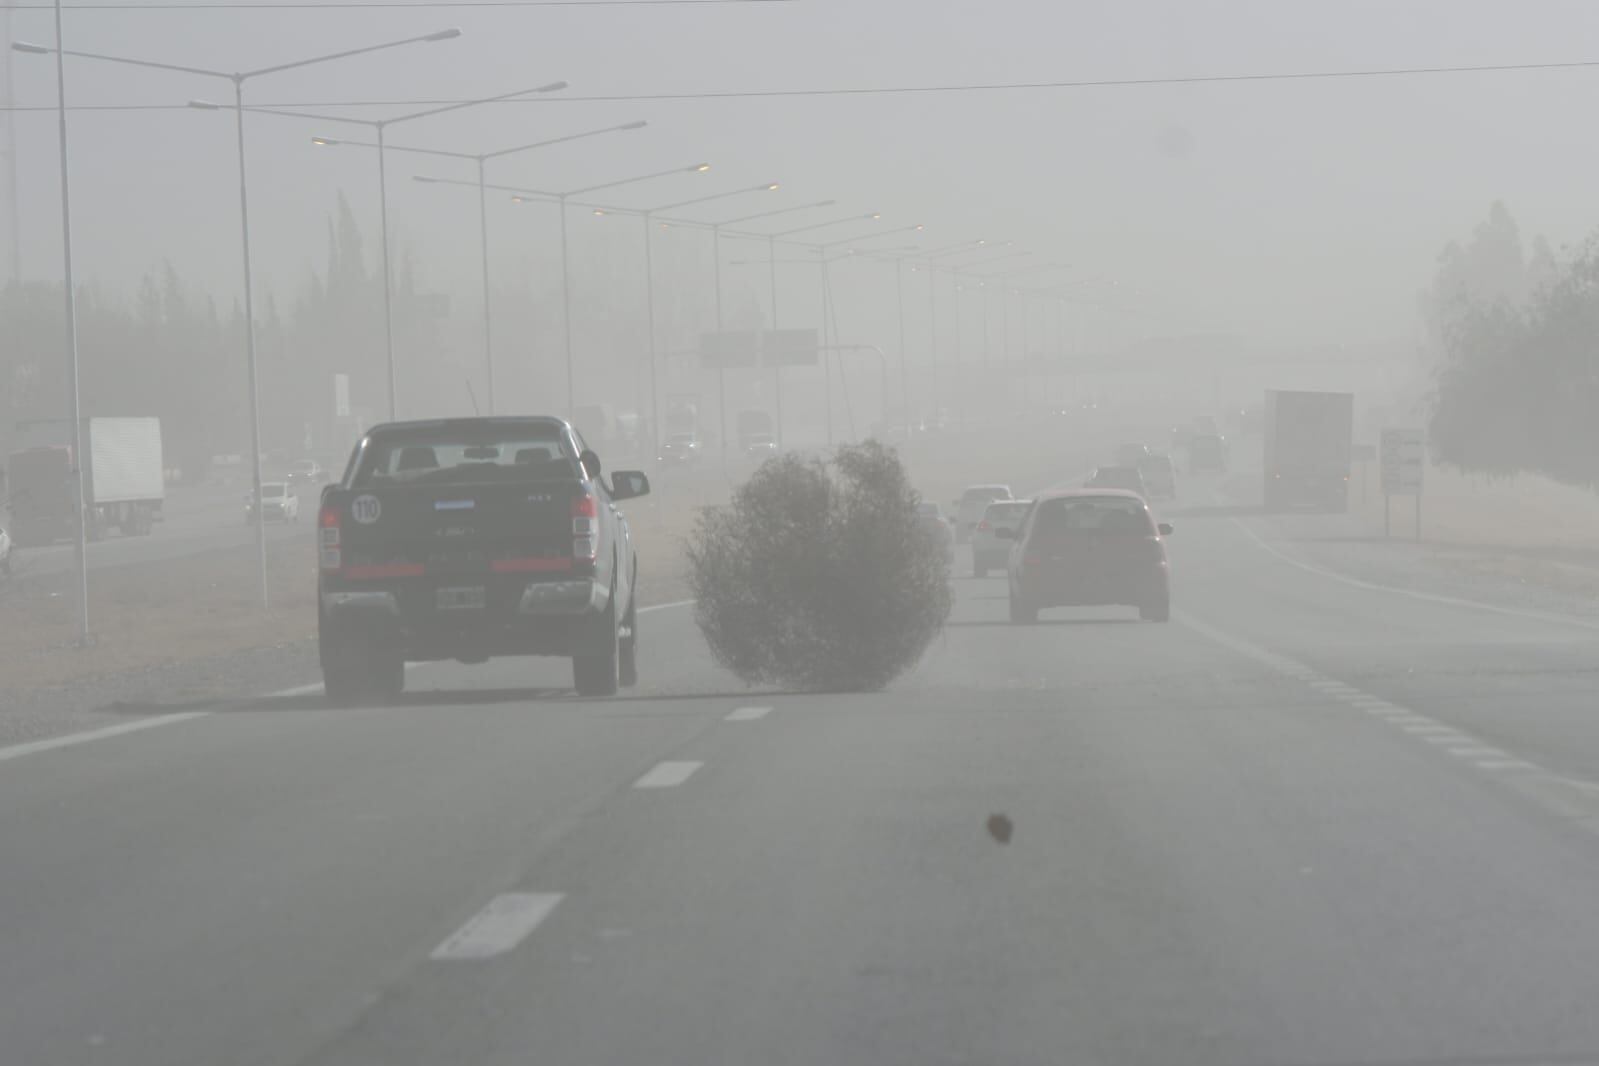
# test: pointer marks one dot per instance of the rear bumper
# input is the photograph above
(1096, 590)
(519, 617)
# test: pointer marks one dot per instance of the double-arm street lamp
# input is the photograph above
(238, 79)
(561, 199)
(481, 160)
(379, 128)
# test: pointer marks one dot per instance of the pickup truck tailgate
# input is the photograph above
(448, 531)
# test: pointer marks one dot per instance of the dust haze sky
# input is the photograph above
(1299, 211)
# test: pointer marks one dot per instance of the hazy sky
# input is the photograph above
(1300, 210)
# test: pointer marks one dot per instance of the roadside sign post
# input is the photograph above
(1404, 454)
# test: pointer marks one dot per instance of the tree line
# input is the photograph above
(1517, 331)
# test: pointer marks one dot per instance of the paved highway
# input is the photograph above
(1308, 822)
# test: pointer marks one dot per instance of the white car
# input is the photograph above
(278, 503)
(5, 552)
(972, 503)
(937, 527)
(990, 551)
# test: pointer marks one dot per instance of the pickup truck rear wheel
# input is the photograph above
(597, 668)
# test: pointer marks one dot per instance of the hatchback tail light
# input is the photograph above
(330, 553)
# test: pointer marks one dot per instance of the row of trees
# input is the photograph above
(168, 350)
(1518, 382)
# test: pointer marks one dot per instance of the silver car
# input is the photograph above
(972, 503)
(989, 550)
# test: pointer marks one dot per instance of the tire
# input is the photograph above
(1022, 612)
(357, 670)
(1159, 611)
(597, 670)
(627, 665)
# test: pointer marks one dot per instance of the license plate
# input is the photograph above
(463, 598)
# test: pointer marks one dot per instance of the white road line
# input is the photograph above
(1455, 742)
(503, 923)
(32, 747)
(1426, 597)
(748, 714)
(17, 751)
(668, 775)
(666, 606)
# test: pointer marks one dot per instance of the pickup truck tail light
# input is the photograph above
(330, 555)
(585, 527)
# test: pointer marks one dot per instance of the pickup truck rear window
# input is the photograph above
(516, 454)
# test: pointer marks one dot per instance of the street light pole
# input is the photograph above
(237, 79)
(777, 369)
(74, 412)
(483, 244)
(904, 373)
(566, 308)
(721, 371)
(649, 317)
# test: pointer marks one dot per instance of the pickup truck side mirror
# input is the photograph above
(629, 484)
(1165, 529)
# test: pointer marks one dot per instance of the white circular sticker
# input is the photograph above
(366, 509)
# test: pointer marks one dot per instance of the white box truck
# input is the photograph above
(1307, 440)
(124, 482)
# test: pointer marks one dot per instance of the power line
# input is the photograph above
(901, 90)
(298, 5)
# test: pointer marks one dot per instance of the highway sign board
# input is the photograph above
(1404, 458)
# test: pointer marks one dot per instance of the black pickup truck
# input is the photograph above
(473, 538)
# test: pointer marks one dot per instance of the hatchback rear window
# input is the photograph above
(479, 454)
(1007, 511)
(1094, 514)
(985, 492)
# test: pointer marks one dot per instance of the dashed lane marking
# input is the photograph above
(503, 923)
(1564, 797)
(668, 775)
(748, 714)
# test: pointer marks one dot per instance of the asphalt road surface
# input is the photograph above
(1307, 822)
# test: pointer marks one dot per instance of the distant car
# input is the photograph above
(760, 445)
(1126, 478)
(307, 472)
(971, 504)
(938, 527)
(1207, 453)
(1089, 548)
(679, 449)
(1131, 454)
(989, 550)
(5, 552)
(278, 503)
(1160, 477)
